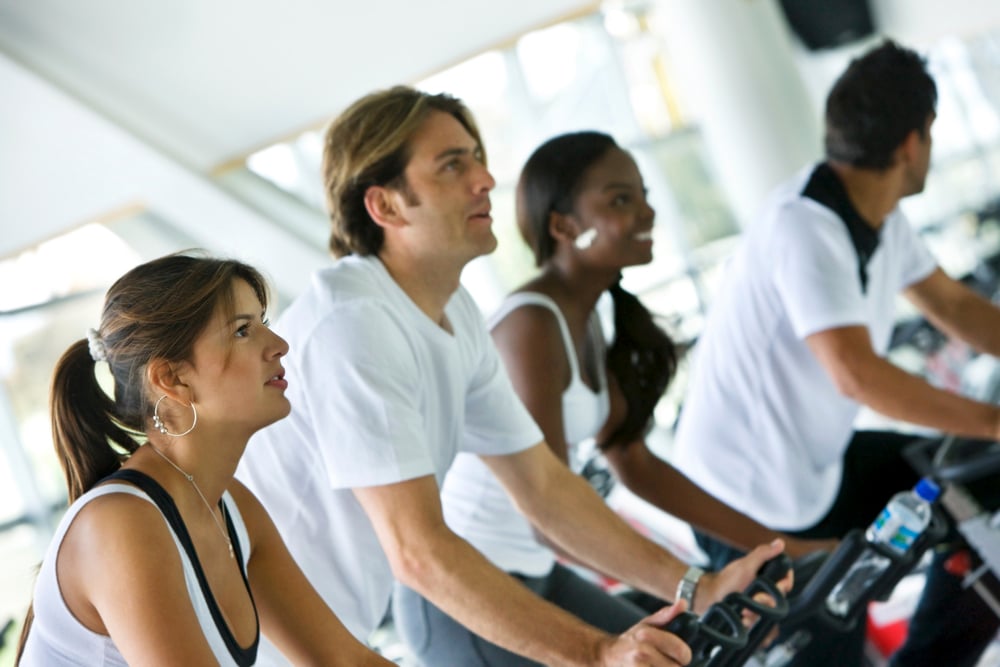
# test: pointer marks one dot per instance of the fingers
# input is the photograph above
(664, 616)
(748, 617)
(646, 643)
(766, 552)
(757, 558)
(787, 583)
(654, 646)
(751, 563)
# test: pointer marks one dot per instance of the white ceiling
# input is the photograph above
(205, 81)
(112, 104)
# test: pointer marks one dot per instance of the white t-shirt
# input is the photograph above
(763, 427)
(57, 639)
(475, 503)
(380, 394)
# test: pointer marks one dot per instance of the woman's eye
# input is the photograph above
(243, 331)
(266, 322)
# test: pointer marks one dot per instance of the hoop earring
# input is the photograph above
(162, 428)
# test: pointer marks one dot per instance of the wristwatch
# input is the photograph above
(687, 585)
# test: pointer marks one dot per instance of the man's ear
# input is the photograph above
(165, 379)
(383, 206)
(910, 148)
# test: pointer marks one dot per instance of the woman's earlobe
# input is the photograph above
(565, 229)
(562, 228)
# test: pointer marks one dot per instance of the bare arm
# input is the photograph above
(569, 512)
(860, 374)
(660, 484)
(958, 311)
(426, 556)
(533, 352)
(141, 601)
(292, 614)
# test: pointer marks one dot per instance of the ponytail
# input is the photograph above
(82, 431)
(83, 425)
(643, 359)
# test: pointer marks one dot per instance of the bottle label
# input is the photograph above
(891, 531)
(903, 539)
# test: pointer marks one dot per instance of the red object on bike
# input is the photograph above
(960, 563)
(889, 637)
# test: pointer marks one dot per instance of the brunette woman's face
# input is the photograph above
(612, 202)
(236, 373)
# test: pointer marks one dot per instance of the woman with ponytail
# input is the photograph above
(162, 557)
(582, 208)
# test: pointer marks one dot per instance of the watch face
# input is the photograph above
(688, 584)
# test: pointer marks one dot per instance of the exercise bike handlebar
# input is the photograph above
(719, 635)
(718, 638)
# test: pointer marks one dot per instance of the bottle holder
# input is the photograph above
(810, 599)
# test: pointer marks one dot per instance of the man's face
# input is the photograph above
(446, 198)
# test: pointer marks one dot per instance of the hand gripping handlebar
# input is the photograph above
(718, 638)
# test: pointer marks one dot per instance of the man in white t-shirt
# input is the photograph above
(391, 372)
(795, 344)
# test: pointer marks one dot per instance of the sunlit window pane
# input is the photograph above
(549, 59)
(75, 262)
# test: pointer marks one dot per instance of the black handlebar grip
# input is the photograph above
(685, 626)
(775, 569)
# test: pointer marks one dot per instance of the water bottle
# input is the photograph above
(898, 526)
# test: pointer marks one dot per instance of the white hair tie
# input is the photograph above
(98, 350)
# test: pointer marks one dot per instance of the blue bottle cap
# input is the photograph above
(928, 490)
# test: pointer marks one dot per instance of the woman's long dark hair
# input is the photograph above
(155, 311)
(642, 357)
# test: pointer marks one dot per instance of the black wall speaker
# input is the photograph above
(823, 24)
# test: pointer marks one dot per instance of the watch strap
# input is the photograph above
(688, 585)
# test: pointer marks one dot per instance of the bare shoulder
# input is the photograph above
(117, 544)
(529, 324)
(243, 496)
(117, 522)
(251, 509)
(260, 527)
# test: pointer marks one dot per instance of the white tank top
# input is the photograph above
(584, 410)
(57, 639)
(477, 508)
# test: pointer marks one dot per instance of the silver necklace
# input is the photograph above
(201, 495)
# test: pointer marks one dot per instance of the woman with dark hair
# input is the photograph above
(581, 206)
(162, 557)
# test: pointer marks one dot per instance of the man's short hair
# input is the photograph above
(876, 103)
(369, 145)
